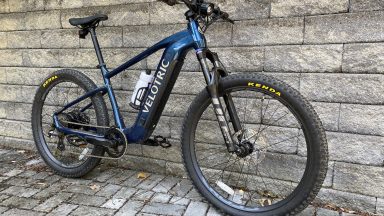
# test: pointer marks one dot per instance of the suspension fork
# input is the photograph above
(212, 80)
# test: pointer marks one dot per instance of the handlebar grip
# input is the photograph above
(169, 2)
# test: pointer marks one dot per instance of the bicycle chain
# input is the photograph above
(96, 126)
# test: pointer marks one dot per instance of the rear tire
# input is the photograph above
(74, 78)
(316, 147)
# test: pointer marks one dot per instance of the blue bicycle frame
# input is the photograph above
(176, 48)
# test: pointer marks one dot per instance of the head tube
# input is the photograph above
(198, 37)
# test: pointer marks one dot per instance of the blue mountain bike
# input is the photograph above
(252, 145)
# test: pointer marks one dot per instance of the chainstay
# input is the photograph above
(95, 156)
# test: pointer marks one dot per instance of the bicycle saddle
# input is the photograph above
(88, 21)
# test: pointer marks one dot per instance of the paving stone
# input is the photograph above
(179, 201)
(63, 210)
(130, 208)
(347, 200)
(81, 199)
(105, 175)
(133, 181)
(161, 198)
(326, 212)
(87, 210)
(163, 209)
(53, 202)
(194, 195)
(196, 208)
(51, 190)
(125, 193)
(18, 212)
(181, 188)
(3, 209)
(84, 189)
(28, 173)
(12, 173)
(121, 176)
(109, 190)
(166, 184)
(114, 203)
(3, 197)
(19, 202)
(150, 182)
(309, 211)
(143, 195)
(213, 212)
(20, 191)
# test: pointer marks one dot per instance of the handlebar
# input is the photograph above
(195, 6)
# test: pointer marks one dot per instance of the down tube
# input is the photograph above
(156, 98)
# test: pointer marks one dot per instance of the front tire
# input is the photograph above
(310, 154)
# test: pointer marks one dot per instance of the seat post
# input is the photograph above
(97, 46)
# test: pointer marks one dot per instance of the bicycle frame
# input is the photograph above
(172, 60)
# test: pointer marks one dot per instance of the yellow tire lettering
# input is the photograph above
(258, 85)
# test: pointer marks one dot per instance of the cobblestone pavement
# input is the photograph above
(28, 187)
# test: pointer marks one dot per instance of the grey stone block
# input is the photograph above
(347, 88)
(43, 20)
(282, 8)
(33, 58)
(269, 31)
(363, 58)
(148, 35)
(62, 4)
(4, 6)
(107, 37)
(143, 164)
(11, 22)
(347, 200)
(119, 15)
(304, 58)
(329, 114)
(355, 178)
(366, 5)
(380, 206)
(356, 148)
(11, 58)
(3, 40)
(159, 13)
(170, 154)
(342, 28)
(60, 38)
(364, 119)
(23, 39)
(23, 6)
(130, 208)
(244, 9)
(241, 58)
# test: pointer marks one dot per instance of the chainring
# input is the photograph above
(116, 135)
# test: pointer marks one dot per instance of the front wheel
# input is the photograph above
(284, 149)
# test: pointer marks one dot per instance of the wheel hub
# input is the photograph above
(245, 148)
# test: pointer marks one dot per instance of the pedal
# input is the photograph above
(158, 141)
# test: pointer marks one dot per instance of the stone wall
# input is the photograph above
(332, 51)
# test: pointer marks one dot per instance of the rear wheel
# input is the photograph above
(67, 155)
(284, 150)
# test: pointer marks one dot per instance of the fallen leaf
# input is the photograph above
(95, 187)
(142, 175)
